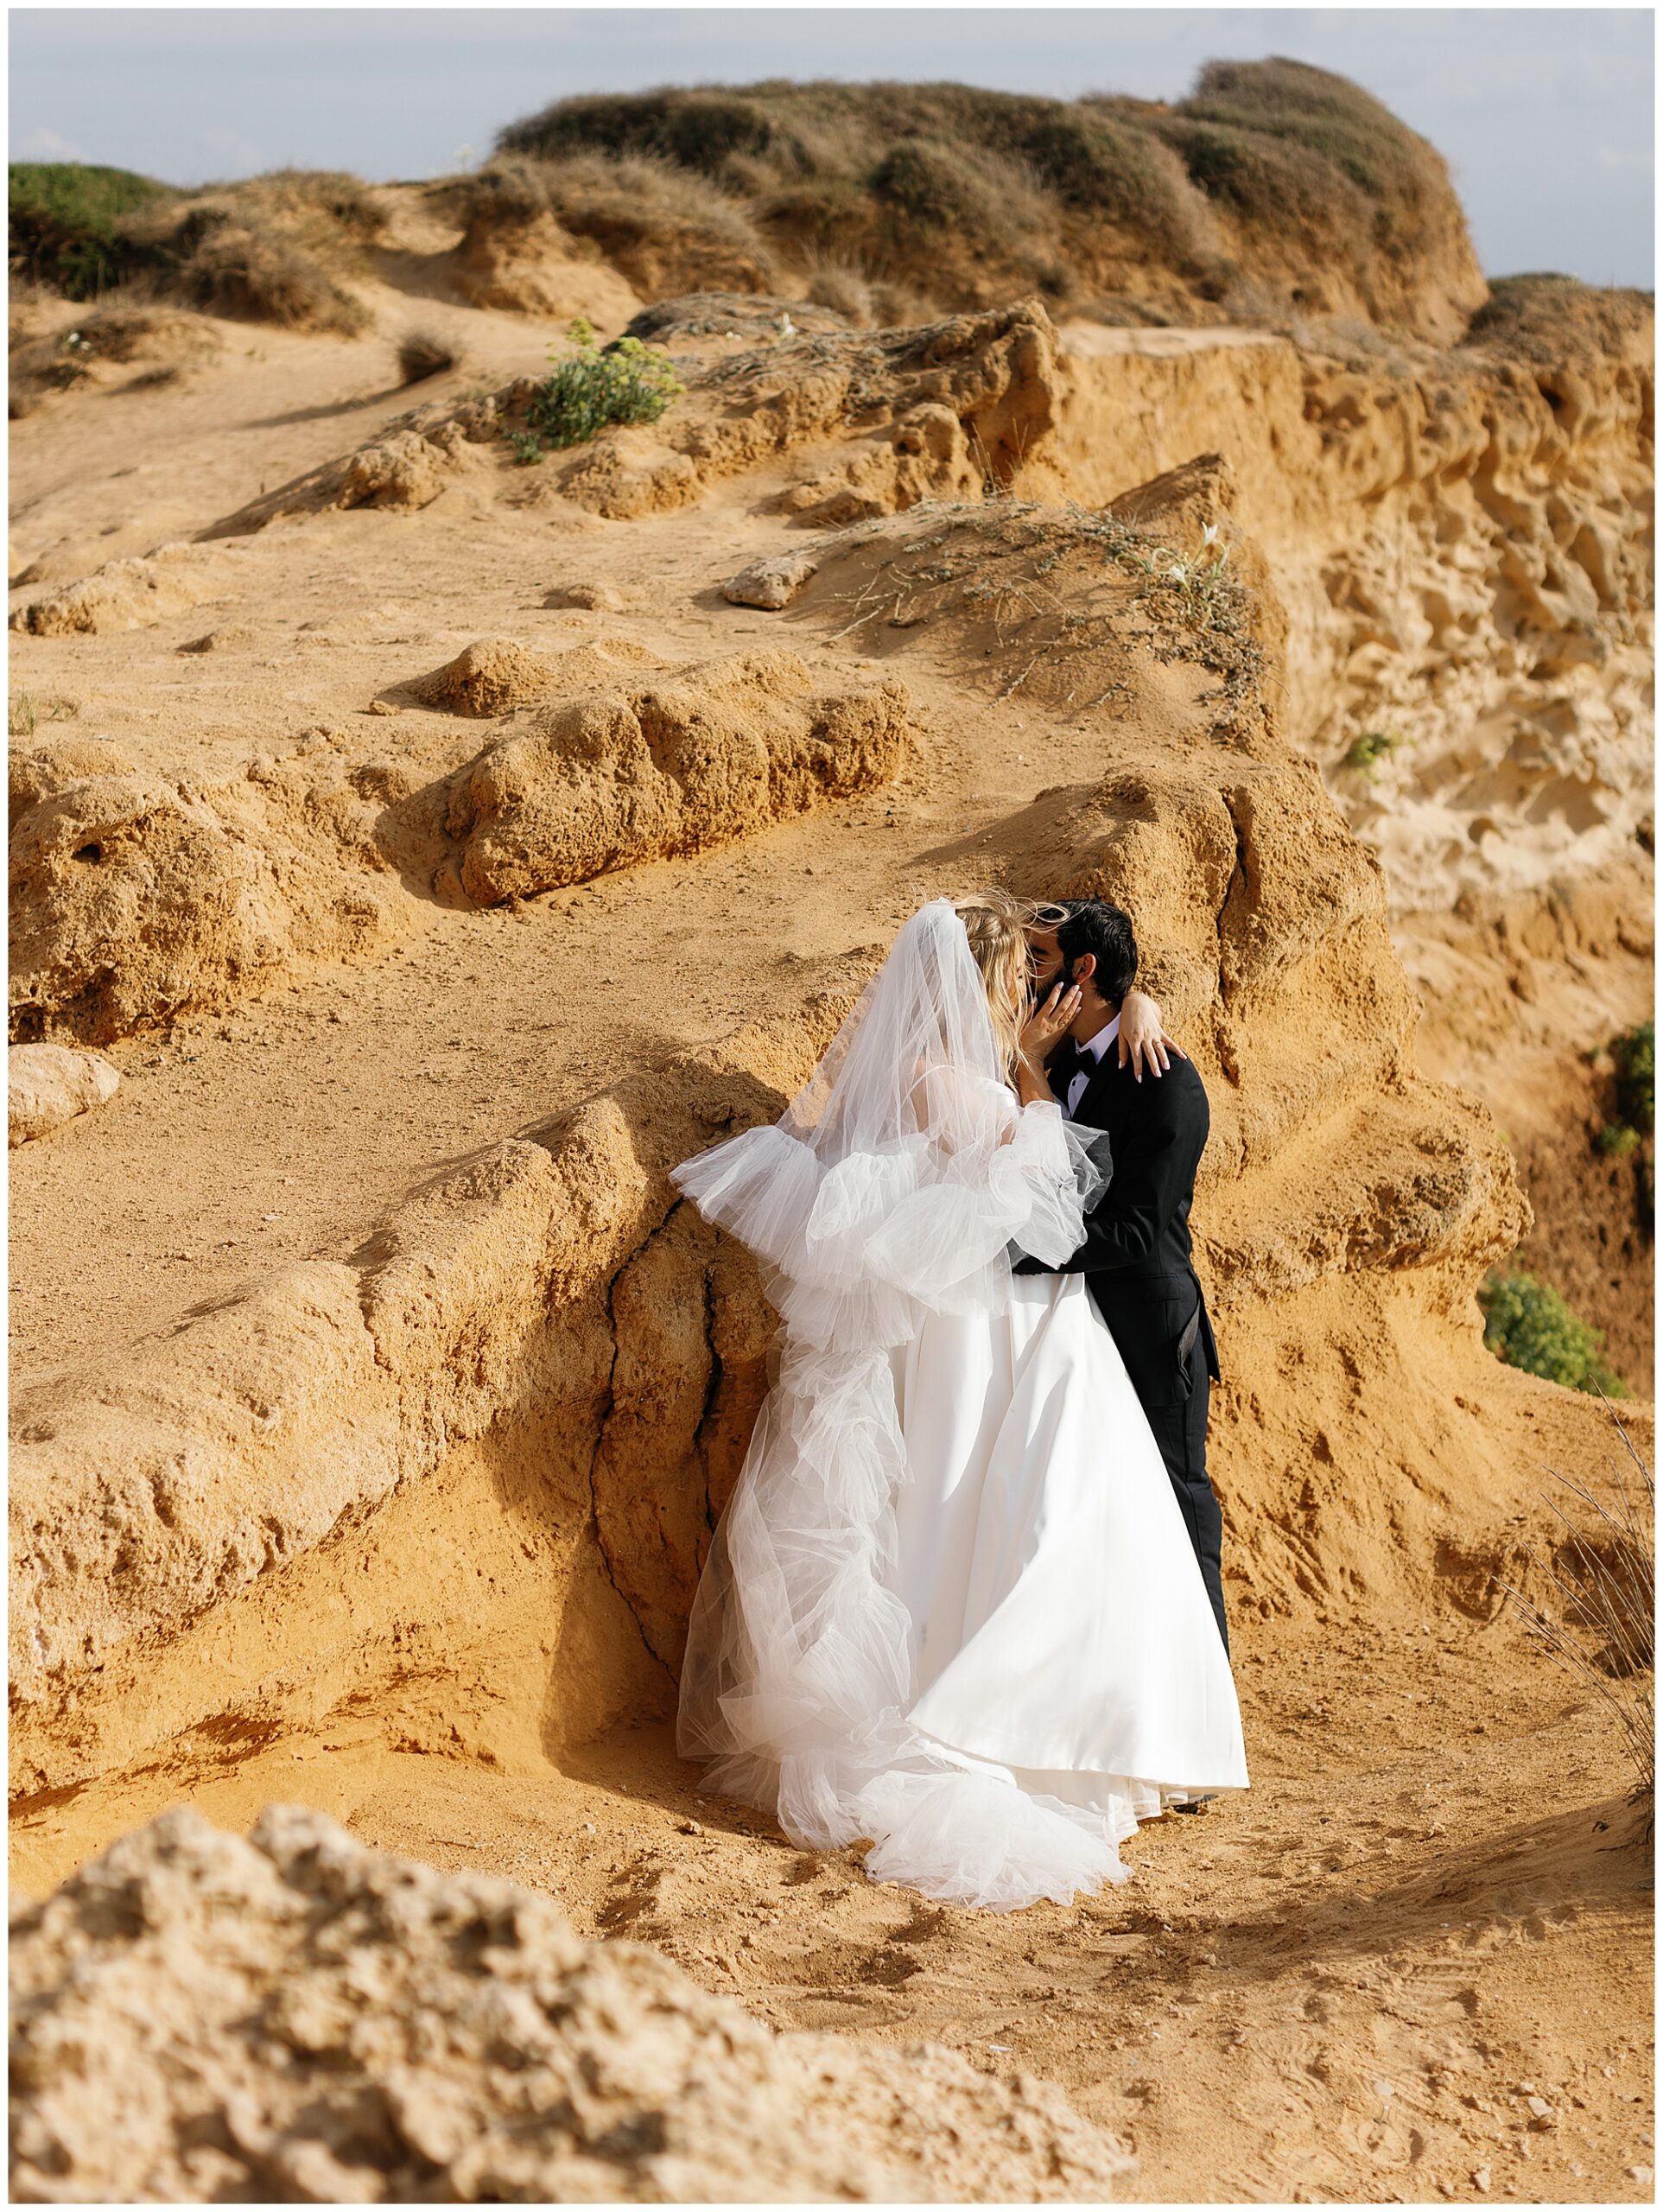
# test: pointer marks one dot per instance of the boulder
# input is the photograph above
(199, 2019)
(773, 582)
(50, 1084)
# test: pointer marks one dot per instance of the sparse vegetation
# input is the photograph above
(1635, 1053)
(965, 193)
(423, 353)
(630, 382)
(66, 223)
(667, 230)
(1605, 1573)
(1367, 752)
(119, 332)
(274, 249)
(1631, 1131)
(1528, 1324)
(1054, 589)
(25, 712)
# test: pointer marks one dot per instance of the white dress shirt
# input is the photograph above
(1096, 1046)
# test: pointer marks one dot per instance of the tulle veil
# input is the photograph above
(895, 1186)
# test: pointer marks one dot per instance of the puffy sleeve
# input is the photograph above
(854, 1252)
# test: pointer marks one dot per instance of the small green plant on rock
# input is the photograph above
(1618, 1140)
(25, 712)
(590, 389)
(1635, 1055)
(1528, 1324)
(1371, 748)
(1199, 585)
(1630, 1133)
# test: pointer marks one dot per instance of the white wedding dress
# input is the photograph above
(951, 1607)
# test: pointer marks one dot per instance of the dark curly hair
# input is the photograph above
(1093, 926)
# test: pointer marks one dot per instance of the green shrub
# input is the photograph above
(65, 218)
(1528, 1324)
(927, 183)
(1371, 748)
(695, 130)
(1635, 1053)
(589, 390)
(1619, 1138)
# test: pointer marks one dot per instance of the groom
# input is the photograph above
(1136, 1253)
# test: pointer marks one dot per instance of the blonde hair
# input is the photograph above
(996, 925)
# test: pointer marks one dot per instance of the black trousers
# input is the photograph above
(1181, 1432)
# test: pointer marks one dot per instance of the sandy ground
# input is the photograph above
(1346, 1984)
(1433, 1906)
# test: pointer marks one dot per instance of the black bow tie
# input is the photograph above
(1066, 1062)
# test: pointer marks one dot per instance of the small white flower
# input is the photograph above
(1209, 534)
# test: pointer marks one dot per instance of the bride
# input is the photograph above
(951, 1607)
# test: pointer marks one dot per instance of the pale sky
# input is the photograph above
(1545, 114)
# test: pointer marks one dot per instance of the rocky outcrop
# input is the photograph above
(545, 1365)
(490, 677)
(47, 1085)
(126, 594)
(514, 255)
(1457, 538)
(650, 773)
(939, 410)
(135, 897)
(769, 582)
(198, 2017)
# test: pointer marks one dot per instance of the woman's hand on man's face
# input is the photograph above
(1049, 1020)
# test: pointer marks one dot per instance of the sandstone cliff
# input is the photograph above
(547, 1329)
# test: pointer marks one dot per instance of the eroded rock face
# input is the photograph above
(936, 411)
(555, 1299)
(606, 782)
(126, 594)
(933, 412)
(47, 1085)
(531, 266)
(1460, 544)
(198, 2017)
(133, 898)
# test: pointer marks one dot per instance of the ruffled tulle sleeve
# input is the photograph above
(854, 1253)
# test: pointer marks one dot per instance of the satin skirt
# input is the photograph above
(1061, 1636)
(952, 1609)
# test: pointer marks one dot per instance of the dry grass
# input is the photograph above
(959, 193)
(1046, 601)
(423, 353)
(842, 286)
(127, 330)
(1548, 319)
(667, 230)
(282, 248)
(1604, 1574)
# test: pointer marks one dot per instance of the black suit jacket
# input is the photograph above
(1136, 1256)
